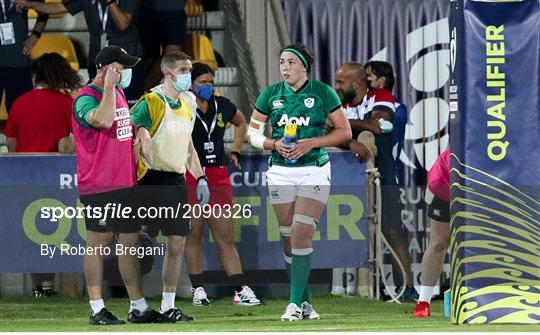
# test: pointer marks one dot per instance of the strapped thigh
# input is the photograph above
(305, 219)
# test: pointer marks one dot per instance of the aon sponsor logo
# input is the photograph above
(299, 121)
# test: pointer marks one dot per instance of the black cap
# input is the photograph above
(113, 53)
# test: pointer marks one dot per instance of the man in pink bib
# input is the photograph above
(106, 175)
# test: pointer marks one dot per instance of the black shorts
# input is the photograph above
(391, 208)
(438, 209)
(157, 29)
(110, 217)
(163, 199)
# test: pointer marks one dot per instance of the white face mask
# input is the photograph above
(125, 78)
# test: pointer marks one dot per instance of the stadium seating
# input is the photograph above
(32, 14)
(59, 44)
(194, 8)
(200, 49)
(49, 43)
(3, 111)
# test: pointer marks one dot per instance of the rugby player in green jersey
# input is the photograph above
(299, 174)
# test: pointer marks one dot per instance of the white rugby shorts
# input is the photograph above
(285, 184)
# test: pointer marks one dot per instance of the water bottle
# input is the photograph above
(447, 303)
(290, 138)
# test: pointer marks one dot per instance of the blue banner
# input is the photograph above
(31, 243)
(494, 127)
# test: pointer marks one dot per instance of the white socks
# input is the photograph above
(167, 301)
(426, 292)
(138, 305)
(97, 305)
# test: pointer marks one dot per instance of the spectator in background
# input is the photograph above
(162, 26)
(381, 104)
(39, 119)
(357, 121)
(352, 87)
(15, 47)
(109, 22)
(213, 114)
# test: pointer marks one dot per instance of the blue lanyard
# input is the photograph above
(103, 15)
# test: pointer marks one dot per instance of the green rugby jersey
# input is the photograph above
(308, 108)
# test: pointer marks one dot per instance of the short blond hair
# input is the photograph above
(169, 60)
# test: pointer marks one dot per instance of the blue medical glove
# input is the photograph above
(386, 126)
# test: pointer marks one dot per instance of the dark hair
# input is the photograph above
(382, 69)
(304, 51)
(199, 69)
(55, 71)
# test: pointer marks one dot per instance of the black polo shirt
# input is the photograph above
(12, 55)
(127, 39)
(225, 112)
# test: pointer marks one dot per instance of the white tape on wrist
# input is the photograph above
(256, 133)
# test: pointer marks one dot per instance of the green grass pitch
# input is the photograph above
(337, 314)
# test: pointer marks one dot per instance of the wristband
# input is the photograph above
(202, 177)
(235, 153)
(37, 33)
(275, 145)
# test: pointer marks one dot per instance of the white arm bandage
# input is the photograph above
(256, 135)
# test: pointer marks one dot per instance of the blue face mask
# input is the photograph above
(204, 92)
(183, 82)
(125, 78)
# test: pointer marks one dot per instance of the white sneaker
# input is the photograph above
(200, 298)
(308, 312)
(246, 297)
(292, 313)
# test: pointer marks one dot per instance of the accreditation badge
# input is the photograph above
(7, 34)
(211, 159)
(209, 147)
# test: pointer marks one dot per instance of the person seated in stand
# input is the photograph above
(40, 120)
